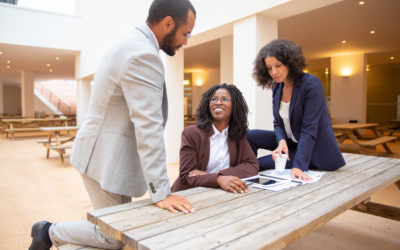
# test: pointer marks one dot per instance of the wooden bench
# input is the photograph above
(46, 141)
(58, 148)
(14, 130)
(31, 124)
(381, 140)
(80, 247)
(77, 247)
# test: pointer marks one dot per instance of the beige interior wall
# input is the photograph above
(348, 93)
(1, 97)
(383, 87)
(209, 77)
(12, 99)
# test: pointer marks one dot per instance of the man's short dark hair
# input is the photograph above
(177, 9)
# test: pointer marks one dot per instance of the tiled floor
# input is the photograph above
(33, 188)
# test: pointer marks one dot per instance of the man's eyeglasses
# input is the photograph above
(186, 36)
(215, 99)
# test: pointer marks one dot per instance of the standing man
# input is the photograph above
(119, 149)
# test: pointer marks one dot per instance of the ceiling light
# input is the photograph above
(372, 32)
(8, 61)
(344, 41)
(361, 3)
(50, 70)
(57, 58)
(48, 65)
(8, 66)
(392, 57)
(1, 52)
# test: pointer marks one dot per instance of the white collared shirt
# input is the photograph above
(219, 154)
(284, 114)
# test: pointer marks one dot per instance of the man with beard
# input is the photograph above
(119, 149)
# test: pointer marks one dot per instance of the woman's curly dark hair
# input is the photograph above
(287, 52)
(238, 125)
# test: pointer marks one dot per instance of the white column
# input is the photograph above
(27, 96)
(84, 90)
(249, 35)
(174, 81)
(226, 59)
(1, 98)
(348, 88)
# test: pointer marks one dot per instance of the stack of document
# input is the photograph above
(276, 181)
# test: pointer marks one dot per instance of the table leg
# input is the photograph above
(357, 134)
(387, 148)
(375, 132)
(48, 147)
(397, 184)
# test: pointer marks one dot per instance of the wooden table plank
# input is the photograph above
(281, 218)
(290, 228)
(93, 215)
(203, 227)
(139, 217)
(224, 219)
(133, 236)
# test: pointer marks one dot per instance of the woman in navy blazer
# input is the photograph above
(302, 128)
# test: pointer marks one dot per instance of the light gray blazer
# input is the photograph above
(121, 141)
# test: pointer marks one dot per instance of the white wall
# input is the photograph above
(227, 11)
(83, 93)
(348, 94)
(42, 108)
(1, 97)
(103, 22)
(39, 28)
(250, 34)
(27, 96)
(226, 59)
(174, 82)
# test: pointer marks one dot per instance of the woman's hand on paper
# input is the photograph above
(298, 173)
(232, 184)
(282, 147)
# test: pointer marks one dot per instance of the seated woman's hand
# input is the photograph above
(282, 148)
(232, 184)
(196, 173)
(298, 173)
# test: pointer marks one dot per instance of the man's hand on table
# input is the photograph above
(175, 203)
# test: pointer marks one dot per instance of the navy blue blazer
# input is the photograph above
(310, 124)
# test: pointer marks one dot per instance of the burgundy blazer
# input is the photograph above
(195, 153)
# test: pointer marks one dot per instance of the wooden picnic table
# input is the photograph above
(31, 124)
(395, 124)
(257, 219)
(353, 132)
(58, 144)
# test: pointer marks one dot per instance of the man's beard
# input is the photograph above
(168, 43)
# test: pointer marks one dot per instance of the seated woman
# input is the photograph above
(302, 128)
(214, 152)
